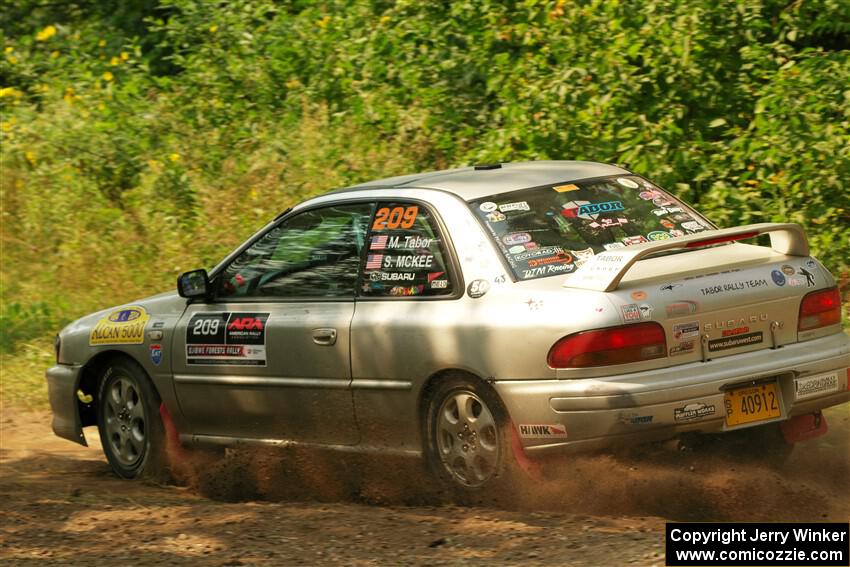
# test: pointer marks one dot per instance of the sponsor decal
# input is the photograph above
(407, 261)
(440, 284)
(608, 222)
(155, 335)
(477, 288)
(681, 308)
(676, 233)
(631, 312)
(682, 348)
(735, 331)
(125, 326)
(158, 325)
(566, 188)
(733, 286)
(374, 261)
(689, 330)
(626, 182)
(582, 256)
(811, 264)
(613, 245)
(403, 291)
(645, 311)
(815, 385)
(518, 206)
(810, 277)
(658, 235)
(519, 249)
(693, 225)
(632, 240)
(662, 201)
(495, 216)
(638, 295)
(488, 207)
(649, 195)
(670, 286)
(156, 354)
(541, 431)
(516, 238)
(570, 210)
(560, 258)
(735, 341)
(635, 419)
(227, 338)
(796, 281)
(537, 252)
(667, 224)
(590, 211)
(530, 245)
(777, 277)
(693, 411)
(392, 276)
(788, 270)
(434, 275)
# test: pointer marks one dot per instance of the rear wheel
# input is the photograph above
(468, 440)
(131, 430)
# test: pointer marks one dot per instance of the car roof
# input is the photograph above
(471, 183)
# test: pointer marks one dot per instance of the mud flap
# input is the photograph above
(172, 439)
(803, 427)
(532, 468)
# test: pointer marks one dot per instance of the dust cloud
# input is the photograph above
(677, 480)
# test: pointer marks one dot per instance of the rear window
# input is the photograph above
(552, 230)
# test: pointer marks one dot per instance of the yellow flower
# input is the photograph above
(46, 33)
(293, 84)
(12, 59)
(124, 56)
(54, 54)
(108, 76)
(385, 19)
(101, 43)
(10, 91)
(213, 28)
(323, 23)
(9, 49)
(30, 157)
(114, 61)
(174, 158)
(6, 126)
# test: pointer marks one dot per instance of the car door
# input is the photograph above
(268, 357)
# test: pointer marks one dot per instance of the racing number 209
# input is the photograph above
(397, 217)
(206, 327)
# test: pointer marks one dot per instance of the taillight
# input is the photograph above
(819, 309)
(614, 345)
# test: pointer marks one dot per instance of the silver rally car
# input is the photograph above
(478, 317)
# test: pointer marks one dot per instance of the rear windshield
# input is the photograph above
(552, 230)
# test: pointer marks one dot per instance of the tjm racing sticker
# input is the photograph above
(227, 339)
(125, 326)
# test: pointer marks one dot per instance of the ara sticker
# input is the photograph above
(626, 182)
(566, 188)
(477, 288)
(125, 326)
(156, 354)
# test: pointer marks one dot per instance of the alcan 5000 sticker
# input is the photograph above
(125, 326)
(227, 338)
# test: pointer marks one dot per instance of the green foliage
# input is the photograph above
(143, 140)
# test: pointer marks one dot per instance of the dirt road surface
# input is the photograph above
(60, 504)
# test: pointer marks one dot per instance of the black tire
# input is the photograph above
(473, 459)
(131, 430)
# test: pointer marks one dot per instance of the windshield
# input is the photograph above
(554, 229)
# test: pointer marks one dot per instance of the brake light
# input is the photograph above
(819, 309)
(613, 345)
(721, 239)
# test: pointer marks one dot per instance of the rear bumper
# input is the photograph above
(62, 382)
(641, 406)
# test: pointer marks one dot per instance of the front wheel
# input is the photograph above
(468, 440)
(131, 430)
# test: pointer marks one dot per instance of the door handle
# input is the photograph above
(324, 337)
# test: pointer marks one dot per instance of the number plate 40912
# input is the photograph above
(752, 403)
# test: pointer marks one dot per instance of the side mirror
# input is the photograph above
(194, 284)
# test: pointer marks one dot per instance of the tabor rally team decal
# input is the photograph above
(227, 338)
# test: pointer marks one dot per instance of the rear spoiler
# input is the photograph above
(604, 271)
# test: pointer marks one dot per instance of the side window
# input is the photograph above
(406, 256)
(313, 254)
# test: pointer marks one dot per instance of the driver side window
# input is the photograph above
(313, 254)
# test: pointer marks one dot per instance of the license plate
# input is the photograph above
(752, 403)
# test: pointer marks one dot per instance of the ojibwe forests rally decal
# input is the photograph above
(227, 339)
